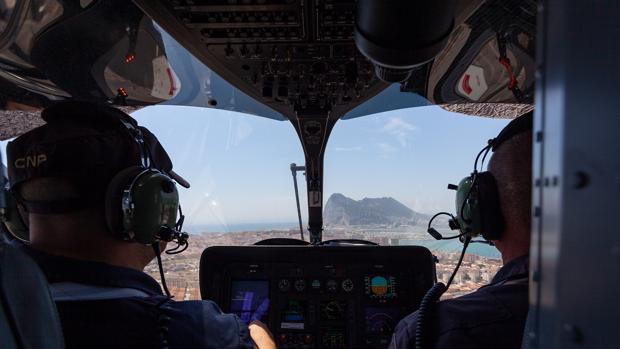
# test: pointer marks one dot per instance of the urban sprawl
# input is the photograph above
(182, 270)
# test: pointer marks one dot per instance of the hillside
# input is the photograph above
(343, 211)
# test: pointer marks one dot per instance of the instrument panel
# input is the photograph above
(319, 297)
(298, 57)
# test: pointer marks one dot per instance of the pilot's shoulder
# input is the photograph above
(472, 310)
(487, 306)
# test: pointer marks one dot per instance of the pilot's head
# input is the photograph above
(68, 176)
(511, 165)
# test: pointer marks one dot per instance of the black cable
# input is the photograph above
(427, 305)
(484, 150)
(179, 224)
(454, 237)
(180, 247)
(161, 268)
(458, 264)
(483, 159)
(163, 320)
(430, 221)
(434, 233)
(178, 236)
(429, 302)
(147, 150)
(437, 215)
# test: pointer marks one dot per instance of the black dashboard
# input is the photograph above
(319, 296)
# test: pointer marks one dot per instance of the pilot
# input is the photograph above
(61, 174)
(494, 315)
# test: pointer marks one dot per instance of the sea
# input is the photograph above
(238, 227)
(433, 245)
(455, 246)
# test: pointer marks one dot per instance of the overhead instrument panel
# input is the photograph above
(296, 56)
(319, 297)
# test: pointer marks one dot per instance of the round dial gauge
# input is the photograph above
(332, 286)
(347, 285)
(300, 285)
(334, 310)
(284, 285)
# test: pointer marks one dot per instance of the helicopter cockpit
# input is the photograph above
(317, 66)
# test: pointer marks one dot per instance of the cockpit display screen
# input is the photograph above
(293, 315)
(382, 320)
(380, 286)
(249, 299)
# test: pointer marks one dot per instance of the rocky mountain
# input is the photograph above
(343, 211)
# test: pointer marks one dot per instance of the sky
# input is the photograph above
(238, 164)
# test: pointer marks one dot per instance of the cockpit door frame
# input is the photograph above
(575, 257)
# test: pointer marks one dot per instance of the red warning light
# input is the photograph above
(130, 57)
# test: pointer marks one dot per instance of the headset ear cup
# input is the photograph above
(155, 201)
(491, 218)
(114, 197)
(467, 209)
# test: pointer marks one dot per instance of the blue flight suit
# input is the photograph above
(491, 317)
(104, 306)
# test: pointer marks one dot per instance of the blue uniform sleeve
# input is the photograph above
(404, 333)
(202, 324)
(228, 329)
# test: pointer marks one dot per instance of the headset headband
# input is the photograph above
(61, 206)
(517, 126)
(521, 124)
(136, 134)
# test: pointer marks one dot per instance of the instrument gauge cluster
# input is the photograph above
(329, 299)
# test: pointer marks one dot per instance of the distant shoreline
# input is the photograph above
(238, 227)
(404, 235)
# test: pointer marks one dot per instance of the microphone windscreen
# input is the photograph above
(434, 233)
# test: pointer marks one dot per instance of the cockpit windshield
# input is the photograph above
(236, 106)
(386, 174)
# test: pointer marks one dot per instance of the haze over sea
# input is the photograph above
(456, 246)
(239, 227)
(433, 245)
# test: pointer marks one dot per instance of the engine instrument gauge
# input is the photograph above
(333, 310)
(332, 286)
(300, 285)
(284, 285)
(347, 285)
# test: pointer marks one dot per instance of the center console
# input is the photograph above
(319, 297)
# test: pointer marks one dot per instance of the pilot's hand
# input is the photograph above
(261, 335)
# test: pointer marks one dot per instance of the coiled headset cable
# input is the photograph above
(429, 302)
(157, 251)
